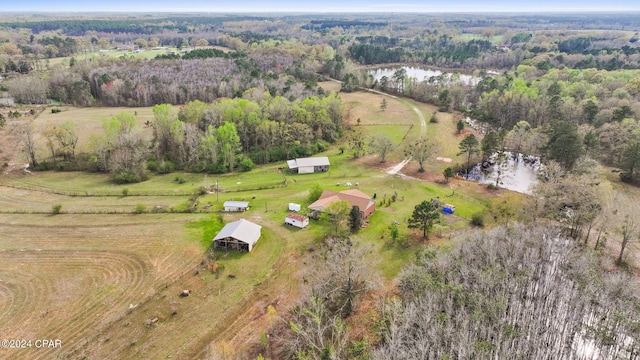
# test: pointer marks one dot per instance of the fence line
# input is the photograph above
(120, 193)
(107, 212)
(127, 192)
(407, 133)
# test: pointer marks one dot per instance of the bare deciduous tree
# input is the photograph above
(421, 150)
(27, 136)
(629, 230)
(121, 151)
(316, 328)
(517, 293)
(381, 145)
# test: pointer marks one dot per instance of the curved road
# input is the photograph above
(423, 122)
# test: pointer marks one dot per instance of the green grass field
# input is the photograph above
(131, 54)
(495, 39)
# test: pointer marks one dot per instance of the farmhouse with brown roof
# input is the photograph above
(354, 197)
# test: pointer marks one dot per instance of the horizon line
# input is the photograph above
(619, 11)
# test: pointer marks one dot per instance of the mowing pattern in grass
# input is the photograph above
(68, 278)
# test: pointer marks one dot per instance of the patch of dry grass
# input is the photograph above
(88, 121)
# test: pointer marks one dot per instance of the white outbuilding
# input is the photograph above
(241, 235)
(294, 207)
(296, 220)
(236, 206)
(309, 165)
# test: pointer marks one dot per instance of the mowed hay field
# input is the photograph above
(109, 285)
(68, 277)
(107, 281)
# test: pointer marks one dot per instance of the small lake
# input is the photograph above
(420, 74)
(516, 172)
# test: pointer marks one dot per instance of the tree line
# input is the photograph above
(148, 25)
(124, 82)
(224, 136)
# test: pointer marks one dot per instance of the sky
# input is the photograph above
(324, 6)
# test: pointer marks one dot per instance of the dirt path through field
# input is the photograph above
(423, 122)
(423, 132)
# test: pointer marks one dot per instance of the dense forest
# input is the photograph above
(517, 293)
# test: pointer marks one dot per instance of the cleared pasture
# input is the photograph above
(88, 121)
(131, 54)
(16, 200)
(114, 274)
(91, 184)
(366, 107)
(494, 39)
(69, 276)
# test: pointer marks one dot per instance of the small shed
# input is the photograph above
(296, 220)
(294, 207)
(241, 235)
(236, 206)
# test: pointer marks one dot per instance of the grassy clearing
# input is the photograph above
(397, 133)
(206, 229)
(24, 201)
(366, 107)
(141, 54)
(91, 184)
(88, 121)
(495, 39)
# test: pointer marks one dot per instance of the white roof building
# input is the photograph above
(309, 165)
(239, 235)
(236, 205)
(296, 220)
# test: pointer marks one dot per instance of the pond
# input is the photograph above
(5, 101)
(514, 171)
(420, 74)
